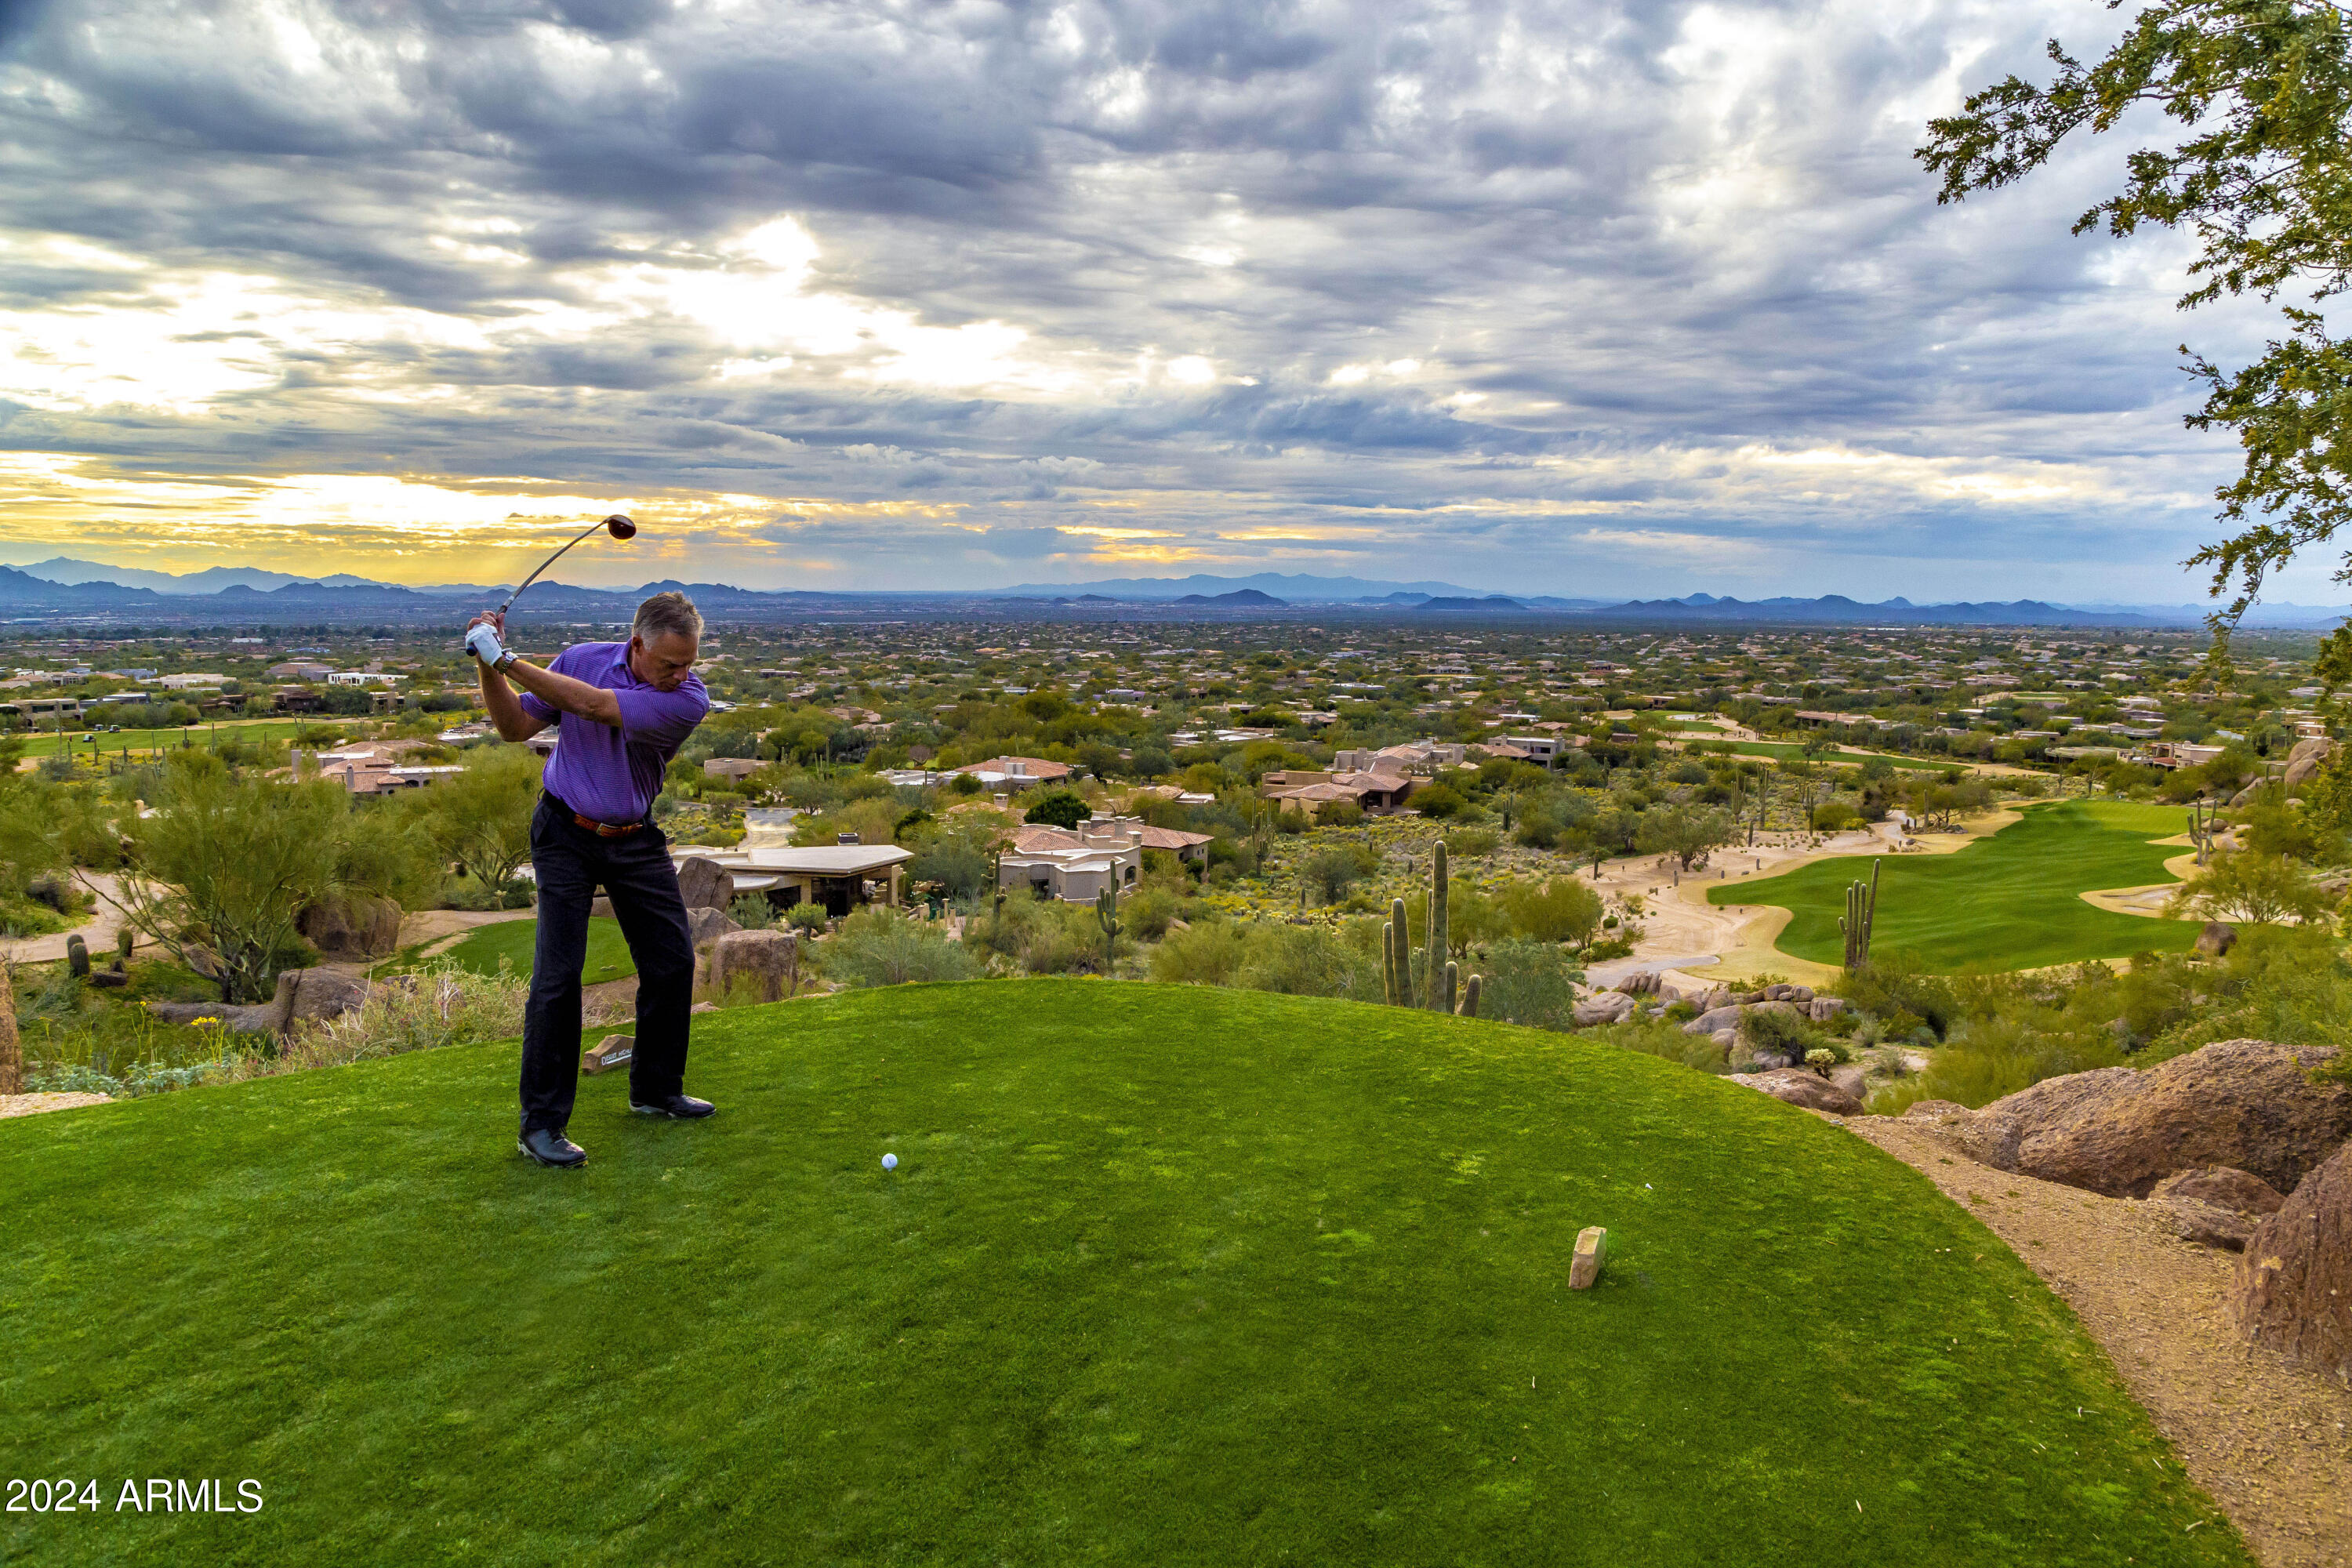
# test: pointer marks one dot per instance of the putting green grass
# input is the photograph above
(1166, 1275)
(513, 941)
(2009, 901)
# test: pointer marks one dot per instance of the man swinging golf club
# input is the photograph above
(622, 711)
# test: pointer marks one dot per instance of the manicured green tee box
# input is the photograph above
(513, 941)
(1166, 1276)
(2009, 901)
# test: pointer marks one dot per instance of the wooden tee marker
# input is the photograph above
(1591, 1251)
(612, 1051)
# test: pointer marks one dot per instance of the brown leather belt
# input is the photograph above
(601, 830)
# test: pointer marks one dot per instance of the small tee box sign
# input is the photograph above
(612, 1051)
(1591, 1251)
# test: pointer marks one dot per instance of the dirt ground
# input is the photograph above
(34, 1104)
(2271, 1444)
(98, 933)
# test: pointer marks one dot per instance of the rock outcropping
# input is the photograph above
(1797, 1087)
(352, 926)
(303, 995)
(2247, 1104)
(2294, 1286)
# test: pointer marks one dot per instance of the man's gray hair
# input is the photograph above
(666, 614)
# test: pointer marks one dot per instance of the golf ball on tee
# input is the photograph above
(889, 1162)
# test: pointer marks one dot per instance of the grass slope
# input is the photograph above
(513, 941)
(1168, 1276)
(2009, 901)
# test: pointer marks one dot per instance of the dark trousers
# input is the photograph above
(571, 862)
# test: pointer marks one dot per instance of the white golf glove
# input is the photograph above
(482, 641)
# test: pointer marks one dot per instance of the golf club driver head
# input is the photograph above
(620, 526)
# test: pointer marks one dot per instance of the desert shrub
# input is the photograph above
(1472, 842)
(1437, 801)
(1041, 936)
(1560, 908)
(438, 1005)
(752, 913)
(1896, 982)
(878, 947)
(1206, 954)
(2292, 987)
(873, 820)
(1769, 1031)
(1334, 868)
(1531, 983)
(961, 855)
(1148, 913)
(1340, 814)
(1655, 1038)
(806, 917)
(1833, 817)
(1986, 1057)
(1308, 960)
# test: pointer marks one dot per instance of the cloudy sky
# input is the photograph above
(1578, 298)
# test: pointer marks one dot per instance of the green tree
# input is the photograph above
(1558, 909)
(1336, 868)
(224, 865)
(2263, 90)
(1058, 809)
(481, 817)
(1686, 831)
(2251, 889)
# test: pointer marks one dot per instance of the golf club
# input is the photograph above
(618, 526)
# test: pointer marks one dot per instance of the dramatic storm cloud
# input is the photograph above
(1582, 298)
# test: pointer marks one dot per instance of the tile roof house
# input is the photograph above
(1007, 773)
(1076, 864)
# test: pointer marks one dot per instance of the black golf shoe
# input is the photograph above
(550, 1149)
(676, 1107)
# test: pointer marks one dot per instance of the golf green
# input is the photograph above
(2009, 901)
(513, 941)
(1166, 1275)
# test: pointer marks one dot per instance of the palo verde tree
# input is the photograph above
(2262, 176)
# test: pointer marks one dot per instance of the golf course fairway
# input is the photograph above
(1166, 1275)
(2009, 901)
(607, 955)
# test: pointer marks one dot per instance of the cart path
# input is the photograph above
(2271, 1443)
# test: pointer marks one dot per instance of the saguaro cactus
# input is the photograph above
(1106, 915)
(122, 940)
(1396, 957)
(1860, 912)
(1442, 981)
(78, 957)
(1441, 987)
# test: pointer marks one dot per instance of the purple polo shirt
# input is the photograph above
(608, 774)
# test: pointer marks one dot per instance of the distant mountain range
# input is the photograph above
(85, 591)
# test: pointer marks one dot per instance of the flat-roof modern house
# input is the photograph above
(835, 877)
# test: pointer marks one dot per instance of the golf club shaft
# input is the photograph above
(544, 565)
